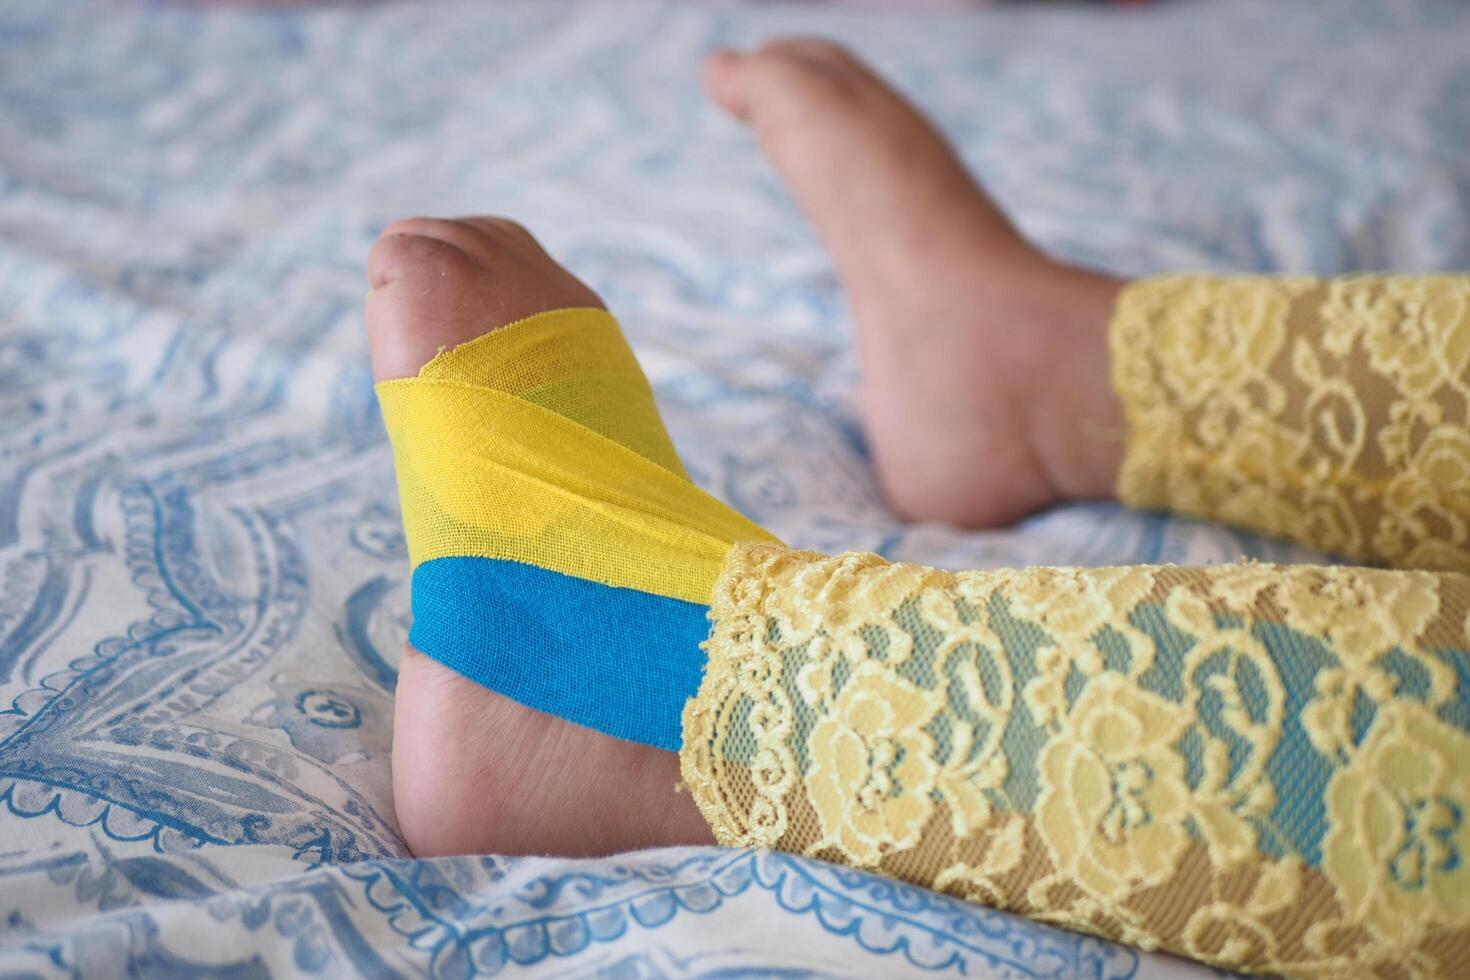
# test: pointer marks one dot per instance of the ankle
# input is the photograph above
(1052, 425)
(1075, 421)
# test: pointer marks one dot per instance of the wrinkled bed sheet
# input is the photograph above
(203, 585)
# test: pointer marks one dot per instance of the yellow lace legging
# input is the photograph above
(1266, 768)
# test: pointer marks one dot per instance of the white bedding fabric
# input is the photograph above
(202, 578)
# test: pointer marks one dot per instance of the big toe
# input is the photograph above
(440, 282)
(786, 78)
(424, 284)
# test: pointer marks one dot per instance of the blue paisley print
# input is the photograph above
(203, 583)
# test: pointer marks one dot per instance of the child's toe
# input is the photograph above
(787, 82)
(421, 288)
(438, 282)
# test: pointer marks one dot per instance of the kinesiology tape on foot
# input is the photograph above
(561, 555)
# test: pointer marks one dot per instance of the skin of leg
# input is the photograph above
(984, 384)
(473, 771)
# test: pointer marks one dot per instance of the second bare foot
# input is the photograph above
(985, 390)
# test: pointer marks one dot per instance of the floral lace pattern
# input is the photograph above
(1335, 412)
(1258, 766)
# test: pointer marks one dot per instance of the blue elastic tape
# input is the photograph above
(618, 660)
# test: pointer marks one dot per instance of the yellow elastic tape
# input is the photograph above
(541, 443)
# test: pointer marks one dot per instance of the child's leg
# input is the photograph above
(1331, 412)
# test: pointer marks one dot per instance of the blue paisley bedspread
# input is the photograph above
(203, 584)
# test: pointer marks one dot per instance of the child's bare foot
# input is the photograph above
(474, 771)
(984, 364)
